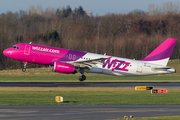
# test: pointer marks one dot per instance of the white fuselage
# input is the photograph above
(124, 67)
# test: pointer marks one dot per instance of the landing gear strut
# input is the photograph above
(82, 77)
(24, 69)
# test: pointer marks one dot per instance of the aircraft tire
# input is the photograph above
(24, 69)
(82, 78)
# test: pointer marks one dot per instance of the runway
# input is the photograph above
(85, 112)
(88, 112)
(90, 84)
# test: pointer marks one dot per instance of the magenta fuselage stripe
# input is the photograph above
(44, 54)
(72, 55)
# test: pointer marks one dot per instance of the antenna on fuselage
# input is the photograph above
(30, 42)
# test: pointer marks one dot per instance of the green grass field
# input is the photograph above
(84, 96)
(87, 95)
(46, 75)
(93, 78)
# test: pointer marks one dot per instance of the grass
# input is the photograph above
(84, 96)
(46, 75)
(48, 70)
(155, 118)
(93, 78)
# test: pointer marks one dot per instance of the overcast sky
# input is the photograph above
(99, 7)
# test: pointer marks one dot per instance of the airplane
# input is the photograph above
(70, 61)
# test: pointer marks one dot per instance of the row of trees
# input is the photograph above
(131, 35)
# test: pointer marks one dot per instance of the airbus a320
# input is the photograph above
(70, 61)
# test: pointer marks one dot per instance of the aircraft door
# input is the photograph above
(27, 50)
(139, 67)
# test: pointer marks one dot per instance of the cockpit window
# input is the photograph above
(15, 47)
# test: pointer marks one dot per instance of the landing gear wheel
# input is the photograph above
(82, 78)
(24, 69)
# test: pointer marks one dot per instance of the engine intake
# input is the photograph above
(65, 68)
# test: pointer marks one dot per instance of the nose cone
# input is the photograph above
(7, 52)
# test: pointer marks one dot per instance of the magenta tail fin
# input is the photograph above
(162, 53)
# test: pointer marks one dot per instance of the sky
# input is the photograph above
(99, 7)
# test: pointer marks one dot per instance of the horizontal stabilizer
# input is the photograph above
(162, 68)
(168, 69)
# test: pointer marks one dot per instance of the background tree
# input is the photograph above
(131, 35)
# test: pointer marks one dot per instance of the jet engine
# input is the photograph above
(65, 68)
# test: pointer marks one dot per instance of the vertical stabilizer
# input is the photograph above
(162, 53)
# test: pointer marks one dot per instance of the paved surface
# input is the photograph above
(90, 84)
(85, 112)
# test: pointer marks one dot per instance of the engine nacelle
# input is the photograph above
(65, 68)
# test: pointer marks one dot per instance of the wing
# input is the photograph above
(88, 63)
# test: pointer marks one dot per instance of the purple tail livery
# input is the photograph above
(162, 53)
(70, 61)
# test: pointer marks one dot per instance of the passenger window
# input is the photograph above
(74, 57)
(70, 56)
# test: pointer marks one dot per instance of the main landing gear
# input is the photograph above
(82, 77)
(24, 69)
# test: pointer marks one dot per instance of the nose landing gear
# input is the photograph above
(24, 69)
